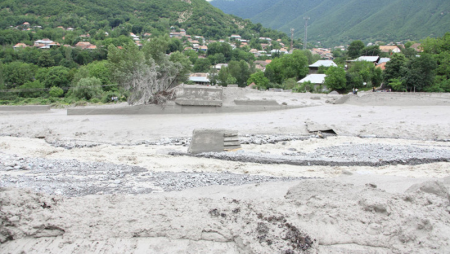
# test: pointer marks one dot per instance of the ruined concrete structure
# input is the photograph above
(214, 140)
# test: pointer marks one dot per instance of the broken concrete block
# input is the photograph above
(315, 127)
(213, 140)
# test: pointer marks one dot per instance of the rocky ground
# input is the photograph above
(125, 184)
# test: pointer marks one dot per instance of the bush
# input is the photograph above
(80, 103)
(31, 89)
(95, 100)
(45, 102)
(304, 87)
(55, 92)
(107, 96)
(87, 88)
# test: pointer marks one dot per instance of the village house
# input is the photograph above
(417, 47)
(175, 35)
(84, 36)
(20, 45)
(220, 66)
(323, 53)
(265, 39)
(261, 64)
(390, 49)
(70, 29)
(45, 43)
(199, 78)
(235, 37)
(316, 81)
(255, 52)
(314, 68)
(372, 59)
(243, 44)
(85, 45)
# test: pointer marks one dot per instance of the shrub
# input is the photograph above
(55, 92)
(87, 88)
(80, 103)
(107, 96)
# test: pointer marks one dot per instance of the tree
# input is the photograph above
(259, 79)
(87, 88)
(183, 75)
(100, 70)
(18, 73)
(371, 51)
(192, 55)
(220, 47)
(56, 91)
(156, 49)
(57, 76)
(335, 79)
(32, 89)
(202, 65)
(144, 77)
(355, 48)
(394, 67)
(362, 72)
(2, 77)
(420, 72)
(46, 60)
(222, 77)
(289, 84)
(240, 71)
(397, 85)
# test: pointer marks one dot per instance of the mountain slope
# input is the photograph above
(339, 21)
(198, 17)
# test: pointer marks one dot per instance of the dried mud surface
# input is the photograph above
(122, 184)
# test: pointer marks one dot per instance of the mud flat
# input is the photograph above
(123, 183)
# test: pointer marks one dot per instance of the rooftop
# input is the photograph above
(325, 63)
(314, 79)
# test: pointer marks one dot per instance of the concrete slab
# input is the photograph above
(206, 103)
(315, 127)
(200, 93)
(173, 109)
(256, 102)
(26, 108)
(213, 140)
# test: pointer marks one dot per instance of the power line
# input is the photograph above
(16, 90)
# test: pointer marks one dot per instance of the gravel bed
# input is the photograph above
(73, 178)
(182, 141)
(343, 155)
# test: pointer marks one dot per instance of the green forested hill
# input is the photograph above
(198, 17)
(340, 21)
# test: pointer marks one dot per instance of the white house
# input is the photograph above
(200, 78)
(315, 79)
(314, 68)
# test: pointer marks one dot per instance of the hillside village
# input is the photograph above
(261, 55)
(259, 62)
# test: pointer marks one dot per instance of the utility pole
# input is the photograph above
(292, 39)
(305, 43)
